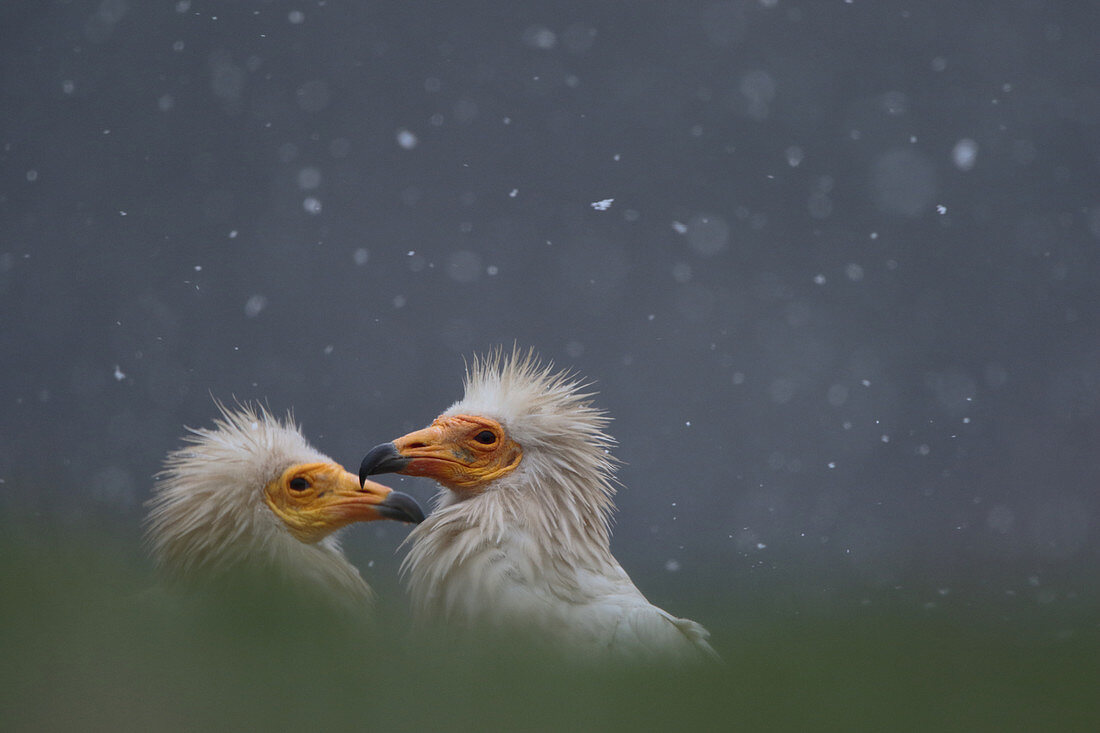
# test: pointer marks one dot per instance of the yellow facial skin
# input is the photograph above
(461, 452)
(316, 499)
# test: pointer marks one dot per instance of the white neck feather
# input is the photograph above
(207, 515)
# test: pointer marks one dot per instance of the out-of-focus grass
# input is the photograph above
(87, 646)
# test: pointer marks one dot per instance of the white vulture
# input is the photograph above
(521, 534)
(252, 493)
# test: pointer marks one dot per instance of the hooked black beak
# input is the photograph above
(382, 459)
(401, 507)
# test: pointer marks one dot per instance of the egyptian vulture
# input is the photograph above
(252, 493)
(520, 537)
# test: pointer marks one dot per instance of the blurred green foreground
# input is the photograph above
(88, 646)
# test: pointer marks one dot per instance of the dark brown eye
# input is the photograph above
(299, 484)
(486, 437)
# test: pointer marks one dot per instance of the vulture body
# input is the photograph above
(252, 493)
(520, 537)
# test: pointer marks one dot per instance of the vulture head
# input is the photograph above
(252, 492)
(524, 438)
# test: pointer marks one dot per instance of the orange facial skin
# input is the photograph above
(461, 452)
(315, 499)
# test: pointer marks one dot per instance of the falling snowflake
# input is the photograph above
(254, 305)
(965, 154)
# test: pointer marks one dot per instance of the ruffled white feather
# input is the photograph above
(532, 550)
(207, 514)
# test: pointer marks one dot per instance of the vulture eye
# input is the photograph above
(486, 437)
(299, 484)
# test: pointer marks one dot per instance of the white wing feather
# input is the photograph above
(593, 612)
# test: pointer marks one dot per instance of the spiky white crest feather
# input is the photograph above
(532, 549)
(551, 415)
(207, 514)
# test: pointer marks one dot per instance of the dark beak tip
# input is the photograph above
(402, 507)
(382, 458)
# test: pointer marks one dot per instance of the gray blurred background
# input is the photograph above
(831, 265)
